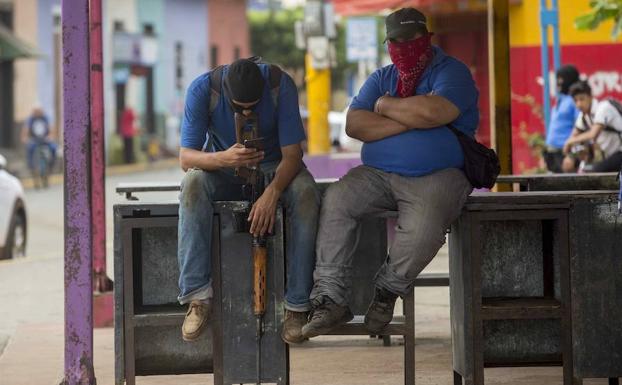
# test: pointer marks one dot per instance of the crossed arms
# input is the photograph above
(393, 115)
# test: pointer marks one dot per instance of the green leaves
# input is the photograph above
(602, 10)
(272, 37)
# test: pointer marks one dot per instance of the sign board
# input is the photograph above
(361, 39)
(319, 50)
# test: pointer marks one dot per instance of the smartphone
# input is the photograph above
(256, 143)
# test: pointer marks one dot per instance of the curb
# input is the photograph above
(56, 179)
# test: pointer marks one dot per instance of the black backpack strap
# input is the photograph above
(275, 83)
(586, 125)
(616, 104)
(215, 88)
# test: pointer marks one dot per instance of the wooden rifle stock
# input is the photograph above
(260, 262)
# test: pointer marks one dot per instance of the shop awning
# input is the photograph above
(12, 47)
(367, 7)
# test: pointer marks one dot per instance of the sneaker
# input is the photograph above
(380, 311)
(292, 326)
(196, 319)
(326, 316)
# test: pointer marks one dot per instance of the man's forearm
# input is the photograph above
(418, 112)
(286, 171)
(584, 137)
(368, 126)
(190, 158)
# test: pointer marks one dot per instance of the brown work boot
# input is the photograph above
(326, 316)
(292, 326)
(380, 312)
(196, 319)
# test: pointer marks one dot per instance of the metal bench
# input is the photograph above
(131, 188)
(530, 276)
(148, 317)
(562, 182)
(372, 249)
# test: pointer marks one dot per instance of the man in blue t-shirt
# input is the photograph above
(563, 117)
(412, 163)
(209, 154)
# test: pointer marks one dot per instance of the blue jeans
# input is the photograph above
(301, 203)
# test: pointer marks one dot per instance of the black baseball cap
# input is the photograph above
(244, 81)
(405, 23)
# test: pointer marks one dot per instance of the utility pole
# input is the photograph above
(78, 223)
(318, 29)
(499, 73)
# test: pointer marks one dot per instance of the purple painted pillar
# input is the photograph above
(78, 225)
(101, 281)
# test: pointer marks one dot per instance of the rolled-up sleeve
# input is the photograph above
(368, 94)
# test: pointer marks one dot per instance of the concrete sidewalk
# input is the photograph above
(35, 356)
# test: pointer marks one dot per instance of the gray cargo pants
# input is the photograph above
(426, 205)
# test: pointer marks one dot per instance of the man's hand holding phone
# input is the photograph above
(240, 156)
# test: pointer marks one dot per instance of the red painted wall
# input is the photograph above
(465, 37)
(227, 30)
(600, 63)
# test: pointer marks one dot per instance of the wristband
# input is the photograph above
(377, 105)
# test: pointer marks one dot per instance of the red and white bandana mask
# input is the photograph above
(411, 58)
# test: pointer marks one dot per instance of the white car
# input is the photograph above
(12, 215)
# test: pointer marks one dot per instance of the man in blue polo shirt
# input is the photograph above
(209, 154)
(411, 163)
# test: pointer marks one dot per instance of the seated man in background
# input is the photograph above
(412, 163)
(599, 123)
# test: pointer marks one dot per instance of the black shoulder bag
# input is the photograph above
(481, 164)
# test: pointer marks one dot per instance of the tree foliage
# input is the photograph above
(602, 10)
(273, 38)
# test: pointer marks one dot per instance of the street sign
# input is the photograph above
(361, 39)
(319, 50)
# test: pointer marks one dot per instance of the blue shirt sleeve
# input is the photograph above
(368, 94)
(291, 130)
(455, 83)
(196, 114)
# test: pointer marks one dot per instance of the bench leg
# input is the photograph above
(614, 381)
(409, 339)
(386, 340)
(457, 378)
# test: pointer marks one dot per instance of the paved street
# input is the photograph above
(31, 289)
(31, 319)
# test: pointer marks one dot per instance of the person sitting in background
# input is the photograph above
(577, 156)
(563, 117)
(38, 131)
(602, 124)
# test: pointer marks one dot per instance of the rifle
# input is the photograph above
(620, 193)
(246, 129)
